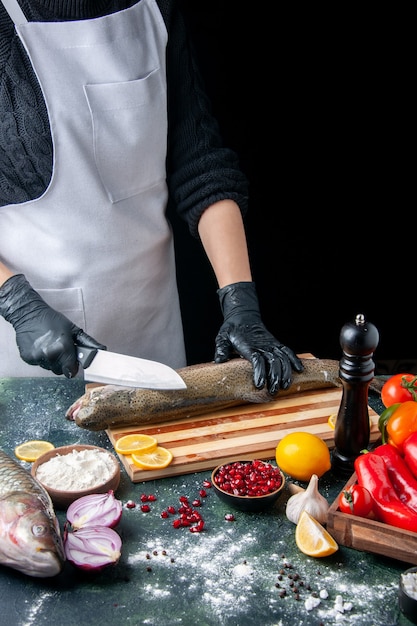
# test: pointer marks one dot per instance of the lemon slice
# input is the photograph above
(312, 538)
(332, 420)
(32, 450)
(157, 459)
(135, 442)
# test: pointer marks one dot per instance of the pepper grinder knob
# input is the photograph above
(352, 432)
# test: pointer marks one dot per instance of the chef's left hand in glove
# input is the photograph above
(243, 333)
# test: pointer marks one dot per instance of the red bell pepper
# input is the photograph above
(403, 481)
(410, 452)
(372, 474)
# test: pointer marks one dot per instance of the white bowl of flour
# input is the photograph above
(70, 472)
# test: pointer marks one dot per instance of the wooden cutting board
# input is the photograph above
(249, 431)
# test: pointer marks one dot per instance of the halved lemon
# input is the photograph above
(135, 442)
(157, 459)
(32, 450)
(312, 538)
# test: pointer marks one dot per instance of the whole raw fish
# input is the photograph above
(210, 387)
(30, 538)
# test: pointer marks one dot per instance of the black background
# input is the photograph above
(316, 106)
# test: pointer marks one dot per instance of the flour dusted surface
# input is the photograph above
(81, 469)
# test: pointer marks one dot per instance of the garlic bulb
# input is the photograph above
(309, 500)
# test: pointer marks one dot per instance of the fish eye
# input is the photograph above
(39, 530)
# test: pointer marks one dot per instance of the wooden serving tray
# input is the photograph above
(369, 535)
(249, 431)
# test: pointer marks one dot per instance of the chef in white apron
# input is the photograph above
(101, 222)
(92, 258)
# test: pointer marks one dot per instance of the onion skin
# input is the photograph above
(93, 548)
(98, 509)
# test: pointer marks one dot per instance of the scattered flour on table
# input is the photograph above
(78, 470)
(228, 574)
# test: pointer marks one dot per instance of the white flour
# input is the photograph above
(219, 565)
(81, 469)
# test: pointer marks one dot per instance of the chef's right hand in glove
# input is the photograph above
(44, 336)
(243, 333)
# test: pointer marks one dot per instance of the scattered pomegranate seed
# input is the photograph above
(188, 516)
(229, 517)
(145, 508)
(130, 504)
(198, 527)
(152, 498)
(143, 497)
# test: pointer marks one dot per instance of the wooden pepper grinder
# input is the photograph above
(358, 341)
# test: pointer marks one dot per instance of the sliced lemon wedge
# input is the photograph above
(157, 459)
(312, 538)
(135, 443)
(32, 450)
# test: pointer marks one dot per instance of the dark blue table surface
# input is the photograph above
(239, 573)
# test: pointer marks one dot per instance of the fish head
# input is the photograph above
(30, 538)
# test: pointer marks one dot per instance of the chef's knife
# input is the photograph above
(120, 369)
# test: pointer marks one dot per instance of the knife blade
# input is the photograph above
(102, 366)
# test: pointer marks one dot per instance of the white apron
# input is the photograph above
(96, 245)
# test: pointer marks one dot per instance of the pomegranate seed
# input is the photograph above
(151, 498)
(164, 514)
(196, 502)
(176, 523)
(171, 510)
(184, 499)
(145, 508)
(144, 497)
(229, 517)
(198, 527)
(207, 484)
(203, 493)
(130, 504)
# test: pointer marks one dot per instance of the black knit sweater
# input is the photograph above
(200, 170)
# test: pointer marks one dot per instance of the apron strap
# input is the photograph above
(13, 9)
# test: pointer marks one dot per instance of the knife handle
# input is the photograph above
(85, 355)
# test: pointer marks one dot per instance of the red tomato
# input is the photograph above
(399, 388)
(356, 500)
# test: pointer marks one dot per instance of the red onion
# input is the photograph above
(98, 509)
(93, 547)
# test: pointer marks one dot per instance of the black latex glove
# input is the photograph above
(44, 336)
(243, 333)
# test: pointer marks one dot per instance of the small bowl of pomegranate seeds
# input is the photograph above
(250, 486)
